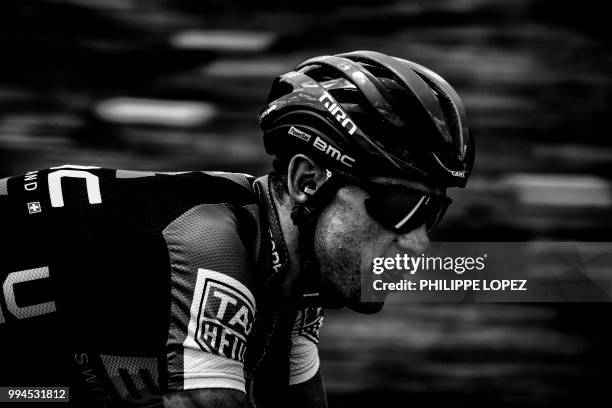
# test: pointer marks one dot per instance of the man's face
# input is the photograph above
(347, 239)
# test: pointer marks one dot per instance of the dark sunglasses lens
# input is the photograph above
(392, 209)
(436, 213)
(403, 212)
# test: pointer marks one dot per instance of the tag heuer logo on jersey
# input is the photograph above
(222, 314)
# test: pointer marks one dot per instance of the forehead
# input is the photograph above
(413, 185)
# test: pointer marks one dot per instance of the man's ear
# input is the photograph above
(304, 177)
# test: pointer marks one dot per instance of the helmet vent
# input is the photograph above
(279, 89)
(450, 113)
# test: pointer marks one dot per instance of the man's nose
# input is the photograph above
(416, 241)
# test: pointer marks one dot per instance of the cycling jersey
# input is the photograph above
(123, 285)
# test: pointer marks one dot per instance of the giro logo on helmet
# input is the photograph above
(330, 150)
(454, 173)
(338, 113)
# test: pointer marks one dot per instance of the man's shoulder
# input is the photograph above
(153, 198)
(209, 219)
(203, 186)
(52, 180)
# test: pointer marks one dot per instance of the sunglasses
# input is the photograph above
(402, 210)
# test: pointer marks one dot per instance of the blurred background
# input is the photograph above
(177, 85)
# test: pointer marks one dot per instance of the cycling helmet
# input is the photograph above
(364, 113)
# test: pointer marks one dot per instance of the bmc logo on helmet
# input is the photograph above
(458, 173)
(330, 150)
(338, 113)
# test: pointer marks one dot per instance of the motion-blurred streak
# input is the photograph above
(222, 40)
(560, 190)
(263, 68)
(126, 110)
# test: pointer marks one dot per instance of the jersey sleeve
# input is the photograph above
(212, 304)
(304, 356)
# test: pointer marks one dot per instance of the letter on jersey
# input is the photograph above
(55, 186)
(21, 311)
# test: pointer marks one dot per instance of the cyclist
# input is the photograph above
(203, 289)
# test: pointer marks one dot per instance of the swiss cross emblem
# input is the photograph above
(34, 207)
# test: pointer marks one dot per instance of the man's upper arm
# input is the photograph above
(306, 387)
(212, 308)
(304, 358)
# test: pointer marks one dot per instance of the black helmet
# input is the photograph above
(366, 113)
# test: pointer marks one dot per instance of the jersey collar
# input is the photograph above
(278, 254)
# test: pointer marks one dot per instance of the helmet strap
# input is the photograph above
(305, 216)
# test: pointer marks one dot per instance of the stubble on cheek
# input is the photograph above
(342, 250)
(338, 256)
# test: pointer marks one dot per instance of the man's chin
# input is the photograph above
(366, 307)
(334, 298)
